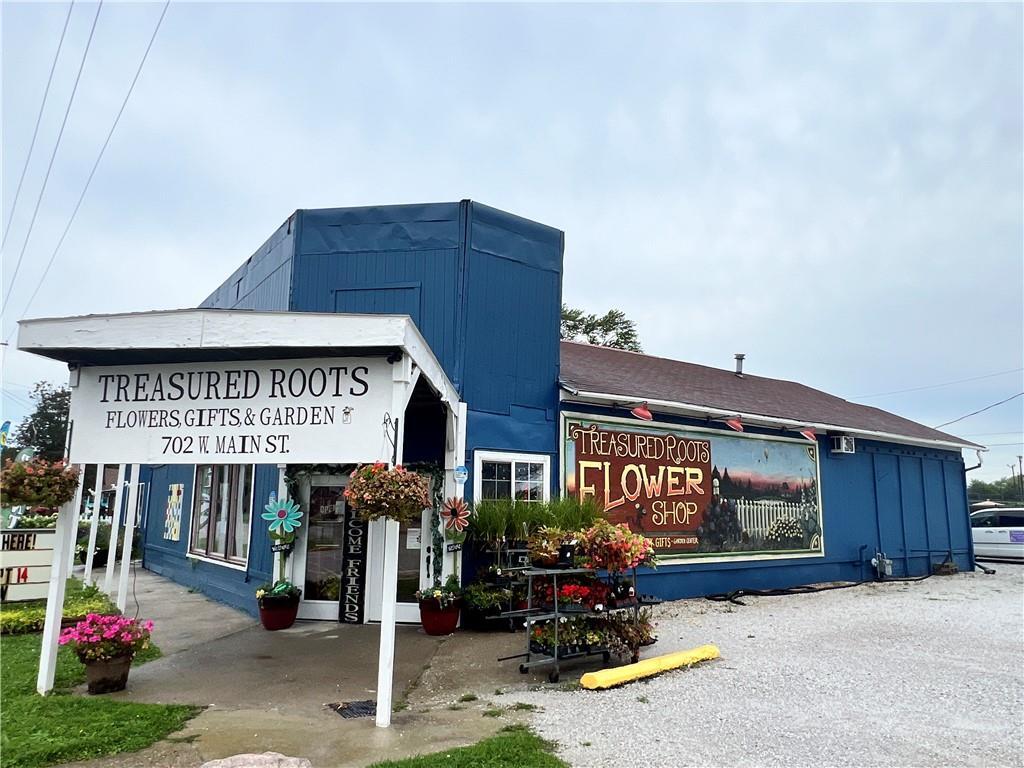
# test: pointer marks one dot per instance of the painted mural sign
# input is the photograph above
(172, 512)
(699, 493)
(266, 411)
(25, 559)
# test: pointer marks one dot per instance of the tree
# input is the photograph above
(612, 329)
(1005, 489)
(45, 430)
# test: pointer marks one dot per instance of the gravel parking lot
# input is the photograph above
(905, 674)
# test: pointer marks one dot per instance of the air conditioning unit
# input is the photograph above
(843, 444)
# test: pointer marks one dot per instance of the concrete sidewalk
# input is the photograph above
(270, 690)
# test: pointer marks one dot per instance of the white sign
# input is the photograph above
(326, 410)
(25, 558)
(413, 536)
(461, 474)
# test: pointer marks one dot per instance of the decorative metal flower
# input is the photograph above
(284, 515)
(456, 514)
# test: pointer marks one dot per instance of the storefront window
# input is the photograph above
(497, 480)
(522, 477)
(222, 511)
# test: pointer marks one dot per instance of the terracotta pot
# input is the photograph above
(108, 675)
(437, 620)
(278, 614)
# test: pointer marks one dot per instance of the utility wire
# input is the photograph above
(53, 155)
(95, 165)
(980, 410)
(936, 386)
(35, 131)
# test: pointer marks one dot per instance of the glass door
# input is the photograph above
(319, 551)
(413, 548)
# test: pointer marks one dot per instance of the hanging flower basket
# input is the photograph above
(375, 491)
(38, 483)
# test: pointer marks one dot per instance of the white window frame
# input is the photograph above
(237, 565)
(479, 457)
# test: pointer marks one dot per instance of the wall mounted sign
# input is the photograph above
(699, 493)
(172, 513)
(265, 411)
(461, 474)
(25, 558)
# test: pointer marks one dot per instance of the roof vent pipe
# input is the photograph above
(739, 364)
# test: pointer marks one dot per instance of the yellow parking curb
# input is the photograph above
(607, 678)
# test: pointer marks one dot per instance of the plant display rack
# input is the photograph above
(533, 614)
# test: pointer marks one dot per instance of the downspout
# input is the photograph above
(976, 466)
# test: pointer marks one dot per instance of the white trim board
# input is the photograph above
(65, 338)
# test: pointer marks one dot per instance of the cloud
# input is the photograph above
(834, 189)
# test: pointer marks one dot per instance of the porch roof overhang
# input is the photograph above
(201, 335)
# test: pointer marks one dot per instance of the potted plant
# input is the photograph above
(545, 545)
(106, 646)
(279, 601)
(374, 491)
(439, 607)
(480, 601)
(615, 548)
(279, 604)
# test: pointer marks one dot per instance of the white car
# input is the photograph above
(999, 532)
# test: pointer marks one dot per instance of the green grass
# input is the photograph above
(513, 747)
(467, 697)
(43, 730)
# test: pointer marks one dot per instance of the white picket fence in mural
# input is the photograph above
(756, 517)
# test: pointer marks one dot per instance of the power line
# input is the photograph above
(95, 165)
(936, 386)
(980, 410)
(983, 434)
(35, 131)
(997, 445)
(53, 155)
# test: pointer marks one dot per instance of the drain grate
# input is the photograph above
(352, 709)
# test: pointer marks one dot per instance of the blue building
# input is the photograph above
(740, 480)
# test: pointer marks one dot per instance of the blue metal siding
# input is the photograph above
(899, 499)
(169, 558)
(421, 284)
(264, 280)
(483, 286)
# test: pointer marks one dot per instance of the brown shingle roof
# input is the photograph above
(589, 368)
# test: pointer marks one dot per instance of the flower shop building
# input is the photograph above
(741, 481)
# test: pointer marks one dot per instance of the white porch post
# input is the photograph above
(129, 535)
(115, 530)
(282, 494)
(455, 456)
(97, 499)
(77, 507)
(402, 378)
(63, 540)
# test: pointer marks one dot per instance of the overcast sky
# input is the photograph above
(834, 190)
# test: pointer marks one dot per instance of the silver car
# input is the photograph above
(999, 533)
